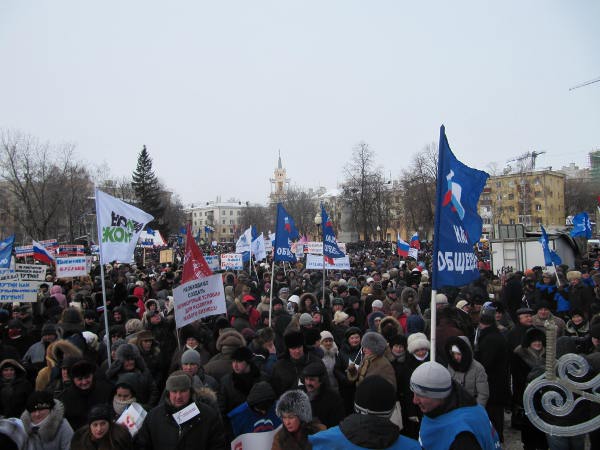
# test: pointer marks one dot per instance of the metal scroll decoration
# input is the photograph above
(551, 399)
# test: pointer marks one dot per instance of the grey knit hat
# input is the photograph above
(431, 380)
(178, 381)
(374, 342)
(295, 402)
(191, 356)
(305, 319)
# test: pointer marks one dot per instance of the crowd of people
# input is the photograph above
(343, 363)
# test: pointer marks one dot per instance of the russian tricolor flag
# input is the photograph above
(414, 241)
(41, 254)
(402, 247)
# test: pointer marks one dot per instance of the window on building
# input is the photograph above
(230, 221)
(223, 222)
(231, 212)
(498, 197)
(224, 230)
(538, 207)
(511, 183)
(511, 208)
(512, 222)
(511, 196)
(538, 221)
(239, 213)
(231, 230)
(538, 194)
(194, 214)
(498, 184)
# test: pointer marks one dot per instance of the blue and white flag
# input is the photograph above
(150, 231)
(258, 248)
(582, 227)
(457, 224)
(550, 256)
(208, 229)
(331, 250)
(285, 231)
(6, 247)
(243, 243)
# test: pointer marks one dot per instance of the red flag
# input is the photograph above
(194, 264)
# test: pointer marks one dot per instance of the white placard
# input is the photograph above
(315, 262)
(13, 289)
(133, 418)
(254, 441)
(213, 262)
(72, 266)
(232, 261)
(31, 272)
(199, 298)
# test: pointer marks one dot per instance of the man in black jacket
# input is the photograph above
(180, 422)
(327, 405)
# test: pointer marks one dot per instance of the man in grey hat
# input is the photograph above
(181, 422)
(452, 419)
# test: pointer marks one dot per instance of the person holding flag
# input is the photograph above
(414, 241)
(402, 247)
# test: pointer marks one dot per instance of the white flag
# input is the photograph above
(258, 248)
(119, 228)
(243, 243)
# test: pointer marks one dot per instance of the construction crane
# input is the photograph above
(526, 161)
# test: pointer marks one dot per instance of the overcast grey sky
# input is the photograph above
(214, 89)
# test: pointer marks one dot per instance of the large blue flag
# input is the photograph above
(582, 227)
(330, 246)
(457, 224)
(550, 256)
(6, 247)
(285, 231)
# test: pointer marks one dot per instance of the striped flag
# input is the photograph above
(41, 254)
(402, 247)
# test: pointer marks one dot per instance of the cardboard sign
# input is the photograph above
(31, 272)
(199, 298)
(13, 289)
(315, 262)
(254, 441)
(73, 266)
(71, 250)
(166, 256)
(23, 251)
(132, 418)
(316, 248)
(213, 262)
(232, 261)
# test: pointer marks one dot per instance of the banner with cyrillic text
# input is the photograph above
(31, 272)
(199, 298)
(315, 262)
(13, 289)
(232, 261)
(72, 266)
(213, 262)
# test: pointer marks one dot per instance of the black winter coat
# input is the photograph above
(78, 402)
(286, 372)
(160, 431)
(493, 354)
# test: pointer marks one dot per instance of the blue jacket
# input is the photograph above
(334, 439)
(439, 433)
(244, 419)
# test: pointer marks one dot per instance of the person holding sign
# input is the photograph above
(181, 422)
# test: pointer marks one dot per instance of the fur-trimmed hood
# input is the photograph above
(408, 292)
(16, 364)
(49, 427)
(60, 349)
(230, 338)
(390, 321)
(465, 349)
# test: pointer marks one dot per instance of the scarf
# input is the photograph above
(121, 405)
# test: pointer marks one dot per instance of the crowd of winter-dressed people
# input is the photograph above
(343, 367)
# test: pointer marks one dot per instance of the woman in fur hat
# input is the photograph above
(44, 421)
(373, 362)
(293, 407)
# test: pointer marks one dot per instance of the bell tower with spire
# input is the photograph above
(279, 183)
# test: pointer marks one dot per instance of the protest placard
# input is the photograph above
(231, 261)
(199, 298)
(315, 262)
(133, 418)
(13, 289)
(31, 272)
(71, 250)
(166, 256)
(254, 441)
(72, 266)
(213, 262)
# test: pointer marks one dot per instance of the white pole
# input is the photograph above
(433, 310)
(271, 290)
(556, 273)
(107, 332)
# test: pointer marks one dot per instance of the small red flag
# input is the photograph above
(194, 264)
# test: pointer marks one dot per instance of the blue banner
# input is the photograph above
(582, 227)
(6, 247)
(285, 231)
(457, 224)
(330, 247)
(550, 256)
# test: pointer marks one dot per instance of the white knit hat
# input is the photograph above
(431, 380)
(417, 341)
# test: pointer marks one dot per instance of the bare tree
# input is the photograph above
(580, 195)
(45, 186)
(302, 204)
(259, 216)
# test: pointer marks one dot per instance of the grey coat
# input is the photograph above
(469, 372)
(54, 433)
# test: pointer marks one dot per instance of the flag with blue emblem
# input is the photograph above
(285, 231)
(582, 227)
(550, 256)
(457, 224)
(6, 247)
(150, 231)
(331, 250)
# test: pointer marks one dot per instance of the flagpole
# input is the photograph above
(323, 290)
(271, 290)
(556, 273)
(106, 332)
(433, 311)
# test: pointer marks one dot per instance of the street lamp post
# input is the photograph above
(379, 232)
